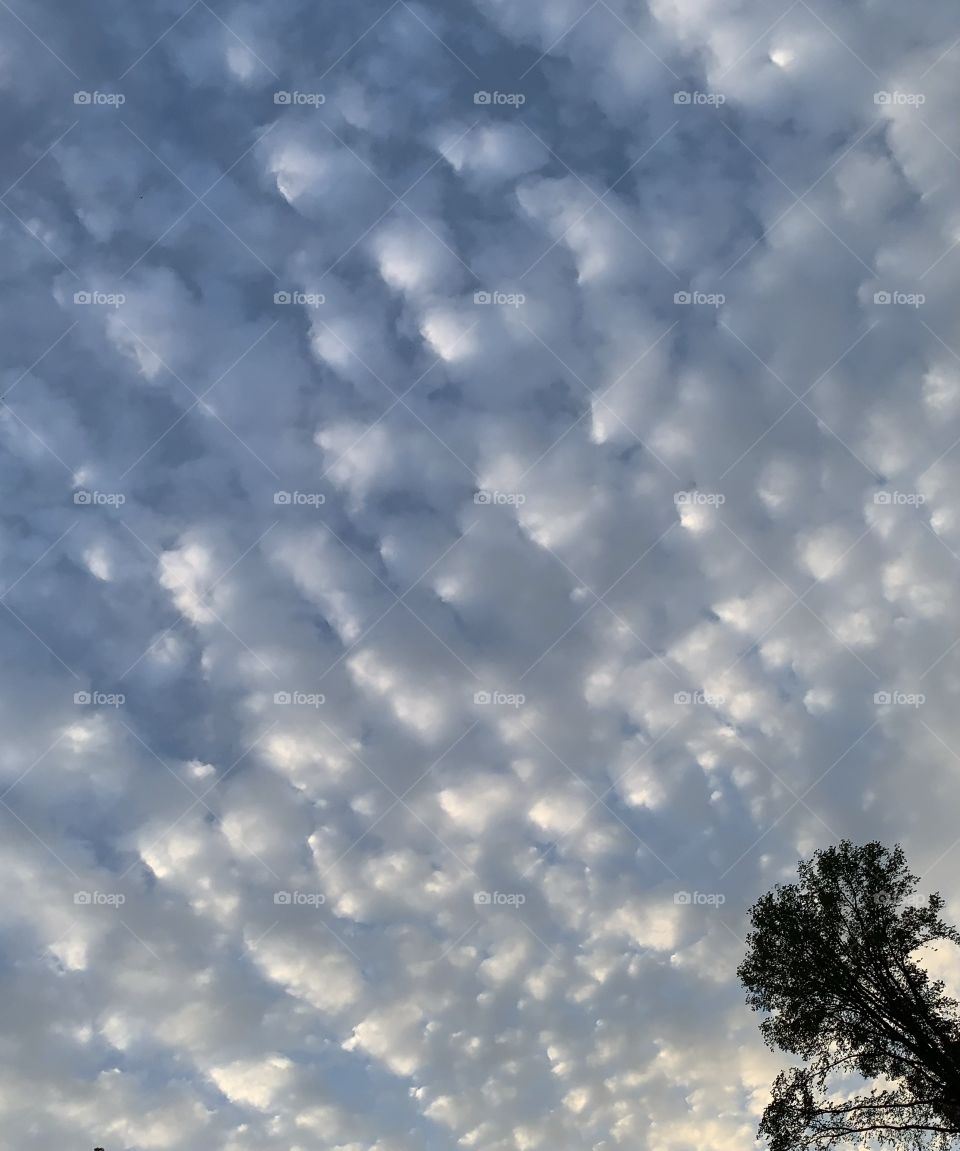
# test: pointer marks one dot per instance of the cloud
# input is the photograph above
(478, 506)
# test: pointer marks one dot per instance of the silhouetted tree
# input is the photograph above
(830, 959)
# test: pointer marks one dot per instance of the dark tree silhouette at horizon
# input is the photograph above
(830, 960)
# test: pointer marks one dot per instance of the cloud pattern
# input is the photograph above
(480, 502)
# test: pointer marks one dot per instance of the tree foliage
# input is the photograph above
(831, 961)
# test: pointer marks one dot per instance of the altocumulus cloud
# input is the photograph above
(479, 502)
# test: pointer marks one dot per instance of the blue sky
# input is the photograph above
(480, 504)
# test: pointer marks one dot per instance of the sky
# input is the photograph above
(479, 504)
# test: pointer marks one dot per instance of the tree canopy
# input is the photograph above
(831, 961)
